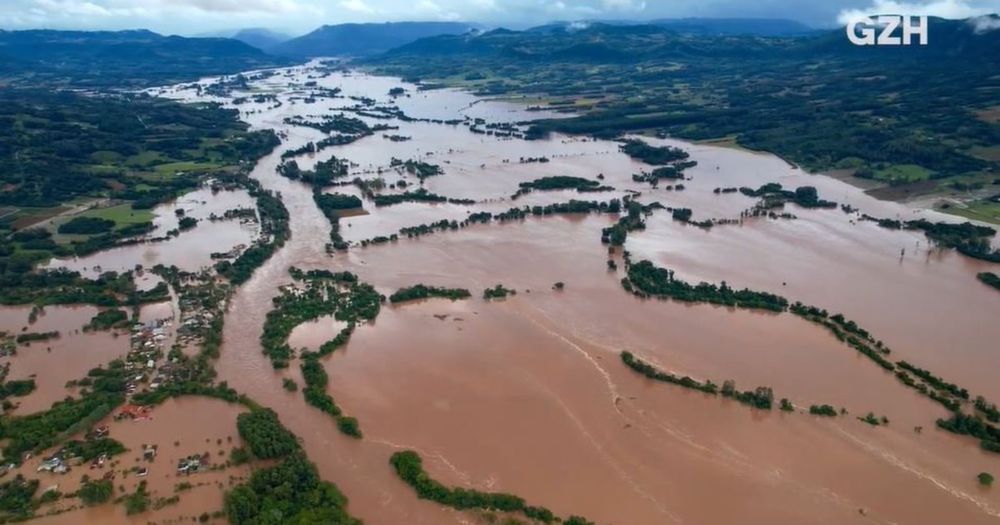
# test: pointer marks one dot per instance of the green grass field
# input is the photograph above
(903, 173)
(122, 214)
(171, 168)
(981, 210)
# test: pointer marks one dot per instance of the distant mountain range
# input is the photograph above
(735, 26)
(143, 58)
(260, 38)
(364, 39)
(602, 42)
(121, 58)
(702, 26)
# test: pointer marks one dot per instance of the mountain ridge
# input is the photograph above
(356, 39)
(130, 58)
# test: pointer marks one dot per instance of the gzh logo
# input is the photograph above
(862, 31)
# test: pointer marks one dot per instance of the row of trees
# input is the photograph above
(990, 279)
(423, 291)
(409, 467)
(646, 279)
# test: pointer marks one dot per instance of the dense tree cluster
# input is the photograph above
(774, 195)
(673, 171)
(655, 155)
(422, 291)
(96, 491)
(497, 292)
(969, 239)
(646, 279)
(32, 337)
(16, 498)
(560, 182)
(311, 275)
(823, 410)
(959, 423)
(16, 388)
(333, 123)
(322, 175)
(265, 435)
(107, 319)
(337, 201)
(289, 492)
(86, 225)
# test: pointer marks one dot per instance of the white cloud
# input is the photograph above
(623, 5)
(940, 8)
(357, 6)
(985, 24)
(297, 16)
(166, 7)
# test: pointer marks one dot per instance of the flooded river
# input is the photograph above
(528, 395)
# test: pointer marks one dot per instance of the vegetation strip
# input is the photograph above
(409, 467)
(646, 280)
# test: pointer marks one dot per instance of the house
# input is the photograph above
(54, 464)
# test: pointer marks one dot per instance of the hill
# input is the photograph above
(735, 26)
(263, 39)
(136, 58)
(814, 99)
(703, 26)
(364, 39)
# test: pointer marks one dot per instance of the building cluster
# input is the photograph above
(61, 461)
(146, 349)
(193, 463)
(195, 320)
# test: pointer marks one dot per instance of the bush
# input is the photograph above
(239, 456)
(349, 426)
(96, 492)
(985, 479)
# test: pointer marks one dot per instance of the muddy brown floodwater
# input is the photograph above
(528, 395)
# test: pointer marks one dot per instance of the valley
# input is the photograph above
(516, 399)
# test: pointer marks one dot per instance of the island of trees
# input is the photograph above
(422, 291)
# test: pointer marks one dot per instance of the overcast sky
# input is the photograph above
(189, 17)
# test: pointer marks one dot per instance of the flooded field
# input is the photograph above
(176, 430)
(55, 362)
(528, 394)
(191, 249)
